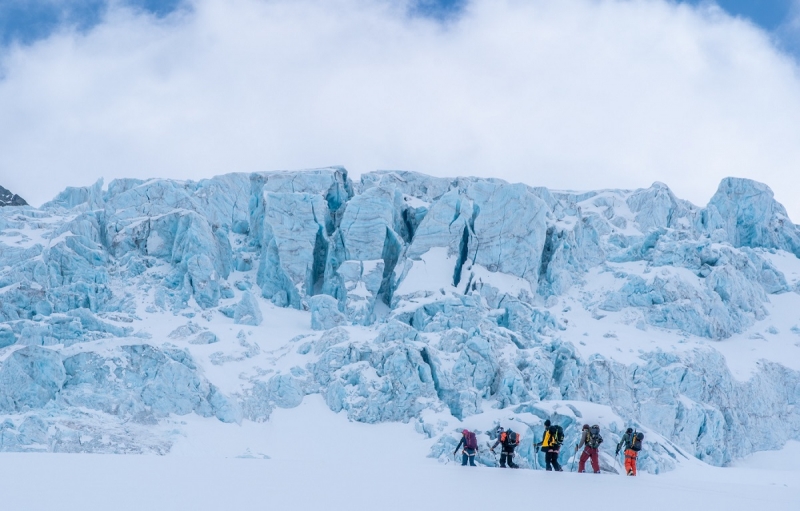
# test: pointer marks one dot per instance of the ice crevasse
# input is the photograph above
(437, 301)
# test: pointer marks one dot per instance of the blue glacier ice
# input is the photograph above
(424, 299)
(247, 311)
(747, 215)
(325, 312)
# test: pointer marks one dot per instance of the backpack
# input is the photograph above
(636, 444)
(594, 439)
(470, 440)
(627, 439)
(556, 435)
(512, 437)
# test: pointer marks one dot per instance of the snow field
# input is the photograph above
(320, 460)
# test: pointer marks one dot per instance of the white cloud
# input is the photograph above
(571, 94)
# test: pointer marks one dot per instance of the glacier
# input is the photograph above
(401, 297)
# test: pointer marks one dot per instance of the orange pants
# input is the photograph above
(630, 462)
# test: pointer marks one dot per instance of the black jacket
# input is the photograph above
(462, 442)
(503, 439)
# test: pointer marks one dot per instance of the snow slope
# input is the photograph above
(139, 317)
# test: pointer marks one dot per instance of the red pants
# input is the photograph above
(630, 462)
(589, 452)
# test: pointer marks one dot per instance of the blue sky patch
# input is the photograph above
(26, 21)
(768, 14)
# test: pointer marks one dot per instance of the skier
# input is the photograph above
(591, 439)
(470, 443)
(551, 442)
(510, 440)
(632, 452)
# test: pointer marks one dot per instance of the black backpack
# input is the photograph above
(512, 438)
(556, 434)
(595, 439)
(636, 444)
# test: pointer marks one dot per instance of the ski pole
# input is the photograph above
(574, 458)
(491, 449)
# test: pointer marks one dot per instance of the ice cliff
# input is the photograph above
(399, 297)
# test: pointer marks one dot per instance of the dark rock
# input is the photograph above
(10, 199)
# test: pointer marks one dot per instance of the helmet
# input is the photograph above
(585, 426)
(464, 432)
(629, 430)
(499, 429)
(547, 423)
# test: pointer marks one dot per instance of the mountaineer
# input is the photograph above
(551, 442)
(591, 439)
(509, 440)
(470, 443)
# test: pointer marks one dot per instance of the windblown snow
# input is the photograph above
(443, 303)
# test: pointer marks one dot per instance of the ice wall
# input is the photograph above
(425, 296)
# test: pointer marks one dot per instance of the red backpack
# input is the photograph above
(470, 440)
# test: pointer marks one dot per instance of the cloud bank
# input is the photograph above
(577, 94)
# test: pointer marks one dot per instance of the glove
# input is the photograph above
(454, 452)
(617, 453)
(492, 449)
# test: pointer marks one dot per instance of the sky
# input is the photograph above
(568, 94)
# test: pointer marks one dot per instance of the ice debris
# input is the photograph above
(325, 312)
(247, 312)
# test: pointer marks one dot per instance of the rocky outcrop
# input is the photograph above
(10, 199)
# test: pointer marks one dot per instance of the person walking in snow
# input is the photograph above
(509, 440)
(551, 442)
(632, 452)
(625, 442)
(470, 443)
(543, 445)
(590, 441)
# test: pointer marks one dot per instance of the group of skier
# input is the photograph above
(551, 443)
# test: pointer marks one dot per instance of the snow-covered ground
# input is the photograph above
(310, 458)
